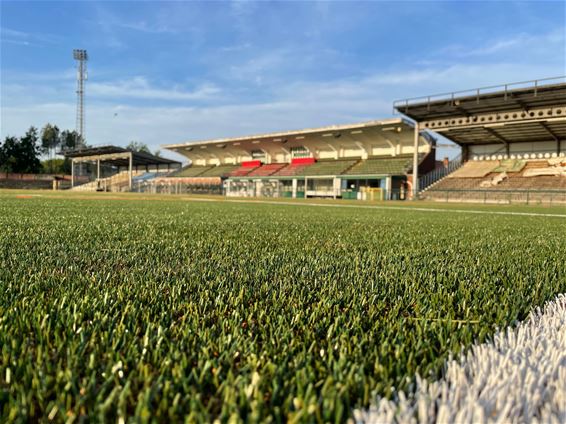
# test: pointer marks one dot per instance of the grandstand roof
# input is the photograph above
(518, 96)
(117, 156)
(529, 111)
(329, 138)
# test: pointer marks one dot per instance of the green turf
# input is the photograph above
(117, 306)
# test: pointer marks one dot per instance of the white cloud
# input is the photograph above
(18, 42)
(12, 36)
(542, 42)
(13, 33)
(61, 75)
(140, 88)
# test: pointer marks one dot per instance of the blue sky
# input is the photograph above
(165, 72)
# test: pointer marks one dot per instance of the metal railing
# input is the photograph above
(157, 187)
(493, 196)
(533, 154)
(436, 174)
(477, 92)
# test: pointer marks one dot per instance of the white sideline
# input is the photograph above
(518, 377)
(399, 208)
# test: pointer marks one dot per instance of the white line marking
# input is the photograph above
(399, 208)
(519, 376)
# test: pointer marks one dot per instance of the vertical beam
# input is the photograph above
(72, 172)
(98, 169)
(465, 152)
(130, 170)
(416, 162)
(388, 185)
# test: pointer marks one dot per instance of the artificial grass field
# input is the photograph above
(167, 309)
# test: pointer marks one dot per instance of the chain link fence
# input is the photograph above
(527, 197)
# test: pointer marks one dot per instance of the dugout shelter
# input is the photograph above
(127, 165)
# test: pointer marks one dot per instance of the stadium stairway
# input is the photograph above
(434, 177)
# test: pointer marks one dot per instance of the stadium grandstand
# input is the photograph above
(512, 142)
(365, 160)
(112, 168)
(512, 139)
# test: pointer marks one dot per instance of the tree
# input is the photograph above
(70, 140)
(50, 140)
(28, 161)
(9, 154)
(21, 155)
(56, 166)
(137, 146)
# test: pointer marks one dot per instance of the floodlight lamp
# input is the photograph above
(80, 54)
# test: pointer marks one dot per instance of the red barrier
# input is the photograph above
(302, 161)
(251, 163)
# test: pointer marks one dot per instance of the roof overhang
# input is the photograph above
(533, 111)
(387, 132)
(117, 156)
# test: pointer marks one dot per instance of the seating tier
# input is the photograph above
(396, 165)
(266, 170)
(190, 171)
(219, 171)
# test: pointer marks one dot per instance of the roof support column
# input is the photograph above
(294, 188)
(72, 172)
(416, 162)
(130, 170)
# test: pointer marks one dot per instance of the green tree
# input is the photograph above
(137, 146)
(9, 154)
(21, 155)
(50, 140)
(28, 160)
(56, 166)
(70, 140)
